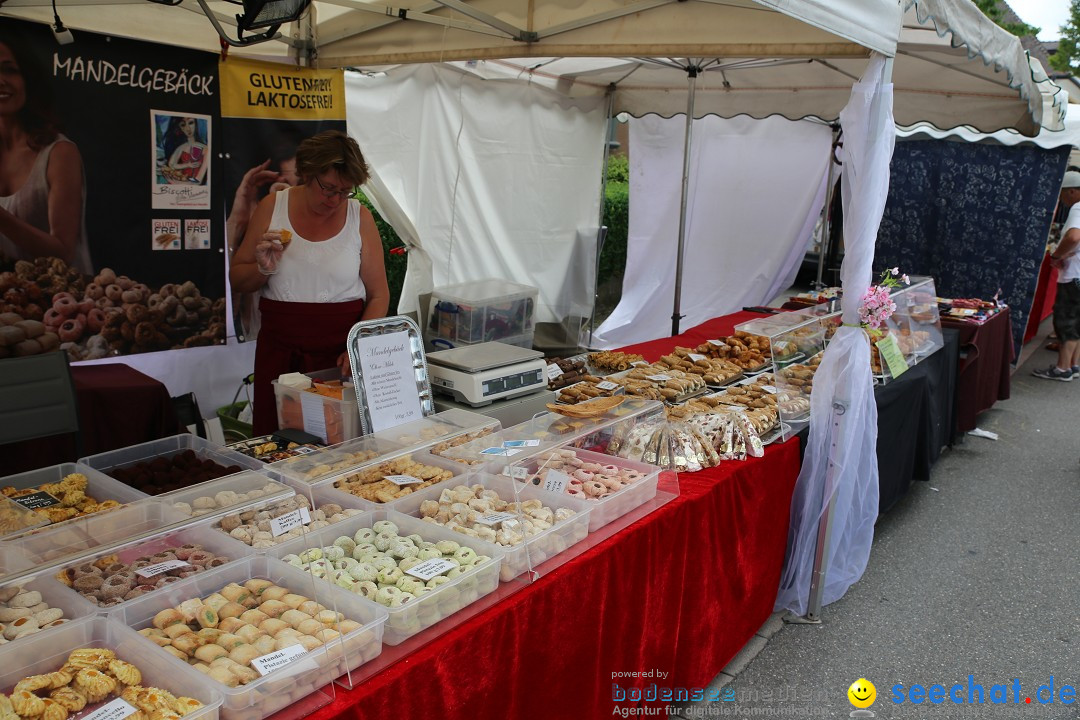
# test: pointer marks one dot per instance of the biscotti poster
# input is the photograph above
(267, 109)
(115, 140)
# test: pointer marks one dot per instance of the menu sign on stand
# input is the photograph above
(390, 373)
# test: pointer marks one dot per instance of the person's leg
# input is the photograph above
(1067, 355)
(1066, 323)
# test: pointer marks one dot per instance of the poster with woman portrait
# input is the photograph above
(180, 160)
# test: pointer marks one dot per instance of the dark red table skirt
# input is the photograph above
(681, 591)
(118, 406)
(1042, 305)
(984, 374)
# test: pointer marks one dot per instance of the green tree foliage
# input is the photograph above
(1067, 57)
(617, 219)
(993, 10)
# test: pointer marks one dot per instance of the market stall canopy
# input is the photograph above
(357, 32)
(953, 67)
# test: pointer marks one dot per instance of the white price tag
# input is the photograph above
(518, 472)
(520, 443)
(158, 568)
(694, 357)
(718, 343)
(658, 378)
(606, 385)
(495, 518)
(284, 523)
(312, 408)
(769, 389)
(555, 481)
(115, 710)
(402, 479)
(430, 568)
(554, 371)
(277, 660)
(639, 363)
(504, 452)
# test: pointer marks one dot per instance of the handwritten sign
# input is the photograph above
(494, 518)
(518, 472)
(116, 710)
(555, 481)
(606, 385)
(37, 500)
(430, 568)
(658, 378)
(161, 567)
(389, 380)
(284, 523)
(554, 371)
(890, 353)
(694, 357)
(277, 660)
(400, 480)
(313, 410)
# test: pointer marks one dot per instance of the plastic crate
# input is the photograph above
(332, 420)
(168, 447)
(285, 686)
(482, 311)
(47, 651)
(99, 486)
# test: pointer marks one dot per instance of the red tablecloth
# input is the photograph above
(709, 330)
(118, 406)
(984, 374)
(1042, 305)
(680, 591)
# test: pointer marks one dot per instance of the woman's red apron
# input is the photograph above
(297, 337)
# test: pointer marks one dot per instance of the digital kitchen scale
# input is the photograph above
(479, 374)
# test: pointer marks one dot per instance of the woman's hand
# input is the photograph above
(268, 253)
(344, 365)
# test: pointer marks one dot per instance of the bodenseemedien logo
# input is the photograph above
(862, 695)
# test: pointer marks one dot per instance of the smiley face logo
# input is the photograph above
(862, 693)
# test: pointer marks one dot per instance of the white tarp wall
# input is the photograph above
(494, 178)
(756, 190)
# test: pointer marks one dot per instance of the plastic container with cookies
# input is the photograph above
(393, 478)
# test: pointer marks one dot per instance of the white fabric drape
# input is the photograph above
(483, 178)
(840, 463)
(756, 190)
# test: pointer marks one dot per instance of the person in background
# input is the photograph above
(316, 255)
(42, 192)
(1066, 258)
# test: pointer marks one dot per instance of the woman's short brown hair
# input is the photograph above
(331, 150)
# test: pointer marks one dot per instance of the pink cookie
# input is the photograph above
(583, 475)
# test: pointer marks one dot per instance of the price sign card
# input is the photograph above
(282, 658)
(430, 568)
(313, 410)
(890, 353)
(389, 380)
(658, 378)
(494, 518)
(284, 523)
(606, 385)
(161, 567)
(37, 500)
(694, 357)
(554, 371)
(520, 443)
(518, 472)
(402, 479)
(503, 451)
(555, 481)
(116, 710)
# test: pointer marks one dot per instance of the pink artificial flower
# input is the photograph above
(895, 271)
(905, 279)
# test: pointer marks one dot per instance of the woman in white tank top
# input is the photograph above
(316, 256)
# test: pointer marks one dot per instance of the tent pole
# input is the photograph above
(692, 73)
(600, 234)
(826, 223)
(839, 437)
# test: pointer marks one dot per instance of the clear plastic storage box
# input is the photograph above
(341, 489)
(99, 486)
(53, 594)
(333, 461)
(171, 449)
(440, 431)
(227, 494)
(424, 611)
(537, 548)
(294, 681)
(481, 311)
(330, 419)
(47, 651)
(15, 520)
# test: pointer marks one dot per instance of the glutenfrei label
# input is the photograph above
(277, 660)
(606, 385)
(658, 378)
(430, 568)
(402, 479)
(555, 481)
(505, 452)
(115, 710)
(37, 500)
(554, 371)
(495, 518)
(161, 567)
(284, 523)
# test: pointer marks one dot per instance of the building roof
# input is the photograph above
(1037, 49)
